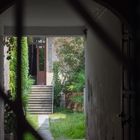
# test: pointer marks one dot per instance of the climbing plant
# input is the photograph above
(9, 116)
(26, 79)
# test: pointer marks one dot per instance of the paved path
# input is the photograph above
(43, 121)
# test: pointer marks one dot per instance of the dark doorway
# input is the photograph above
(33, 61)
(41, 69)
(37, 60)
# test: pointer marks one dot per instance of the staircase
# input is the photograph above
(41, 100)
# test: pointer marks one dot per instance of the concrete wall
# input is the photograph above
(45, 13)
(4, 78)
(6, 69)
(2, 86)
(49, 60)
(103, 83)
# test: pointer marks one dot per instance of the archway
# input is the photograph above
(106, 75)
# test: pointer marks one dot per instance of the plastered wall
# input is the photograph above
(2, 86)
(4, 79)
(103, 73)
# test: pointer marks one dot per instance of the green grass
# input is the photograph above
(33, 120)
(68, 125)
(28, 136)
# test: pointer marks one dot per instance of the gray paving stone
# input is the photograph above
(44, 127)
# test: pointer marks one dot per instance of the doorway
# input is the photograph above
(37, 60)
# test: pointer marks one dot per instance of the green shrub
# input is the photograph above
(71, 59)
(77, 82)
(57, 84)
(10, 120)
(26, 79)
(77, 99)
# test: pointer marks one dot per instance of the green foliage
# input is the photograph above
(26, 79)
(57, 83)
(78, 99)
(33, 120)
(71, 63)
(69, 127)
(77, 82)
(62, 110)
(10, 120)
(11, 43)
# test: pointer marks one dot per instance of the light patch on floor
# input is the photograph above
(43, 122)
(41, 119)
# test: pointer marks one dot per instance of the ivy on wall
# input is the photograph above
(26, 79)
(9, 116)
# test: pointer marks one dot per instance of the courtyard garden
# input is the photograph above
(63, 124)
(68, 118)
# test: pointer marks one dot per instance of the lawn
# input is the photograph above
(33, 120)
(67, 125)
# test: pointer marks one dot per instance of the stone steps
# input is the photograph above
(41, 100)
(38, 105)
